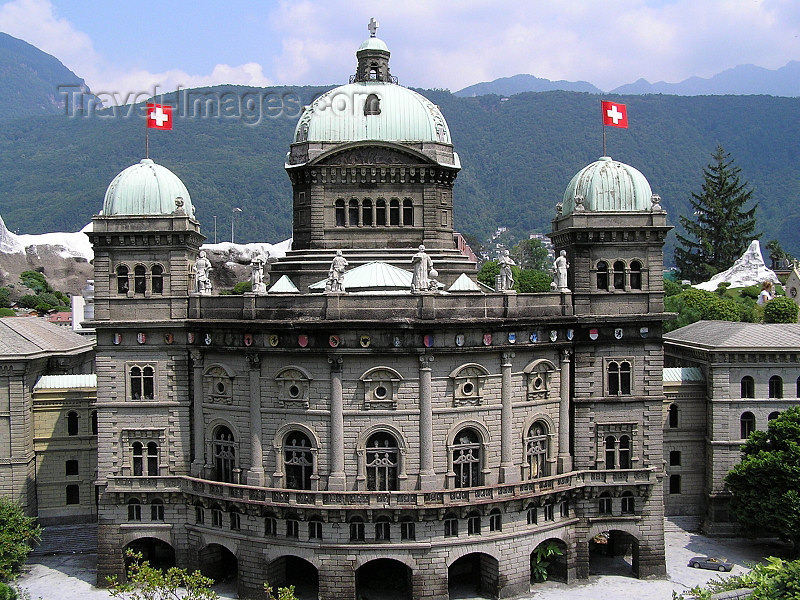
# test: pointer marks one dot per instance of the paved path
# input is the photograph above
(70, 576)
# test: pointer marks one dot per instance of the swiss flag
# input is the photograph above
(159, 116)
(614, 114)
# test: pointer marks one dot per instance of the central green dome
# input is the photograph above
(397, 115)
(146, 189)
(608, 185)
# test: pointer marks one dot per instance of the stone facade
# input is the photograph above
(380, 438)
(749, 372)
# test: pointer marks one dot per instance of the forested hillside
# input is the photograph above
(517, 155)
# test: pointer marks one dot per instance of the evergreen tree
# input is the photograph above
(722, 226)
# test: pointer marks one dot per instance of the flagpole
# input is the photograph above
(603, 125)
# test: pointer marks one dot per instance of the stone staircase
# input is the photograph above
(60, 539)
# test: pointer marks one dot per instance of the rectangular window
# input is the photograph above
(199, 514)
(71, 468)
(315, 530)
(533, 516)
(292, 528)
(605, 505)
(270, 526)
(236, 521)
(407, 531)
(73, 494)
(549, 513)
(675, 458)
(450, 527)
(216, 517)
(674, 484)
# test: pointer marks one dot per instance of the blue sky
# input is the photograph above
(132, 46)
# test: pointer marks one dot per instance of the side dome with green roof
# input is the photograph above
(146, 189)
(608, 186)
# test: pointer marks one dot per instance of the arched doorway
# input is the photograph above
(218, 563)
(614, 552)
(472, 574)
(157, 552)
(383, 579)
(293, 570)
(549, 561)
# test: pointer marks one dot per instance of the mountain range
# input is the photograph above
(518, 153)
(740, 80)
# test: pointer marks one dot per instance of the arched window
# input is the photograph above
(235, 520)
(532, 514)
(496, 520)
(775, 387)
(72, 423)
(747, 424)
(474, 523)
(536, 450)
(157, 279)
(372, 105)
(122, 279)
(619, 275)
(636, 275)
(383, 530)
(628, 503)
(71, 468)
(224, 450)
(199, 514)
(157, 510)
(674, 484)
(366, 212)
(339, 211)
(611, 452)
(216, 516)
(672, 416)
(139, 284)
(394, 211)
(624, 452)
(467, 459)
(138, 459)
(293, 526)
(604, 504)
(356, 529)
(134, 510)
(94, 422)
(315, 528)
(152, 458)
(408, 212)
(380, 212)
(270, 524)
(142, 383)
(748, 387)
(619, 378)
(382, 460)
(298, 461)
(407, 529)
(450, 525)
(773, 415)
(602, 275)
(352, 213)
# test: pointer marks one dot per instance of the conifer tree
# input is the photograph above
(722, 226)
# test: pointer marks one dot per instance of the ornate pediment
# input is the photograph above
(369, 156)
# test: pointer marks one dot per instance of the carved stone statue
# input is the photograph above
(336, 273)
(422, 264)
(257, 274)
(506, 276)
(560, 267)
(202, 274)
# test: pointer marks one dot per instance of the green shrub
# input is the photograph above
(751, 291)
(672, 288)
(28, 301)
(780, 310)
(17, 532)
(242, 287)
(528, 281)
(5, 297)
(7, 312)
(7, 592)
(489, 270)
(35, 281)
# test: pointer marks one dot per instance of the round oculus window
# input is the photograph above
(381, 392)
(294, 391)
(468, 388)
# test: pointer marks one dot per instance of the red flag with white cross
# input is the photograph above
(159, 116)
(614, 114)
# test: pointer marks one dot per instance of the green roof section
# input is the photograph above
(373, 43)
(284, 285)
(376, 275)
(608, 185)
(339, 116)
(683, 375)
(146, 188)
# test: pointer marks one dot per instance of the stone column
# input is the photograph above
(255, 476)
(427, 476)
(507, 472)
(337, 480)
(198, 423)
(564, 457)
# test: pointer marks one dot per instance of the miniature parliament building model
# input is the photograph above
(376, 419)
